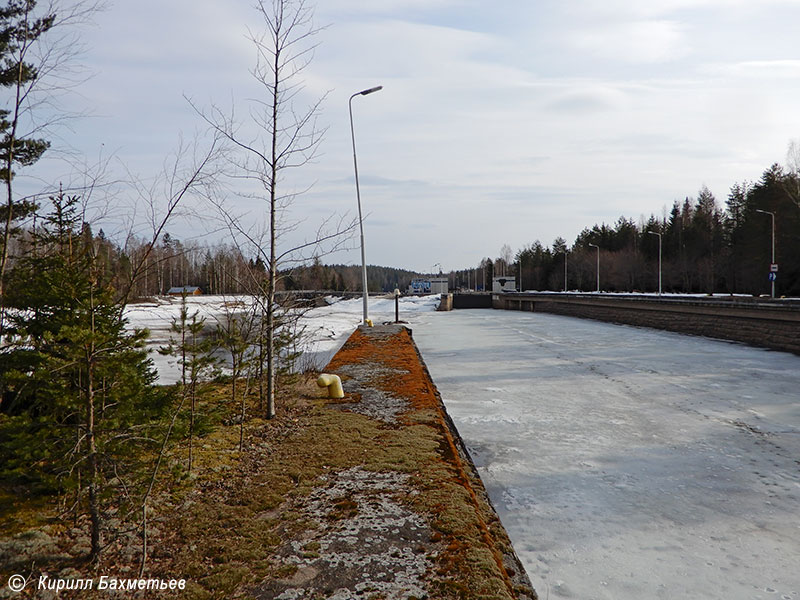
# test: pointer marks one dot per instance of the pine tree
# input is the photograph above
(235, 334)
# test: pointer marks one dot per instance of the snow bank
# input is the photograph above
(328, 327)
(324, 329)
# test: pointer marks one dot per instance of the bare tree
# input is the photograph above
(189, 171)
(793, 171)
(286, 138)
(505, 259)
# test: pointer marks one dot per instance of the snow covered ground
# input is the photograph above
(628, 463)
(329, 326)
(326, 328)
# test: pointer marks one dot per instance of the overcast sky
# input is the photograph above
(499, 122)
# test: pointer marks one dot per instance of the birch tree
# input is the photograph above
(287, 137)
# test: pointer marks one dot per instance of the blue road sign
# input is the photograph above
(773, 276)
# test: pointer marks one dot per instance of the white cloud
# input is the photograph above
(362, 9)
(760, 69)
(495, 125)
(638, 42)
(627, 9)
(589, 98)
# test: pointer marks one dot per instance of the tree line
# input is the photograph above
(220, 268)
(704, 247)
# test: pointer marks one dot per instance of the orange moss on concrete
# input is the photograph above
(397, 352)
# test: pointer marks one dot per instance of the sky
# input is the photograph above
(498, 123)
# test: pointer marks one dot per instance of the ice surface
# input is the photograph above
(326, 328)
(624, 462)
(158, 317)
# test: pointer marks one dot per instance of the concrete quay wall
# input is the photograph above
(774, 324)
(387, 383)
(446, 303)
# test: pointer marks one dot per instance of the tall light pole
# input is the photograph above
(358, 196)
(771, 214)
(565, 269)
(659, 259)
(598, 264)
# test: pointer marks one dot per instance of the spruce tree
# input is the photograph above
(20, 28)
(79, 393)
(195, 359)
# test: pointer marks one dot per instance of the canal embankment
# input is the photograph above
(412, 519)
(767, 323)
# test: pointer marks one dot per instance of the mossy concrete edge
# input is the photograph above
(510, 558)
(380, 350)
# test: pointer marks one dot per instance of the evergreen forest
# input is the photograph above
(705, 247)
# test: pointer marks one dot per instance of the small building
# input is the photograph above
(504, 284)
(431, 285)
(439, 285)
(419, 287)
(189, 290)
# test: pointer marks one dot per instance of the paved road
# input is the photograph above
(628, 463)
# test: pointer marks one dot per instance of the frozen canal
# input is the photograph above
(628, 463)
(322, 330)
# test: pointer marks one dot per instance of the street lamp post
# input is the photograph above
(598, 264)
(358, 196)
(565, 270)
(771, 214)
(659, 259)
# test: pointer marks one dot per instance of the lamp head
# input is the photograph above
(377, 88)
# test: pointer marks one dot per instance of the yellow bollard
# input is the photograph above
(368, 322)
(333, 383)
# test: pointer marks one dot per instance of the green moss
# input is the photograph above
(20, 513)
(225, 578)
(285, 571)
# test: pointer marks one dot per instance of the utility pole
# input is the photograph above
(598, 264)
(659, 259)
(772, 274)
